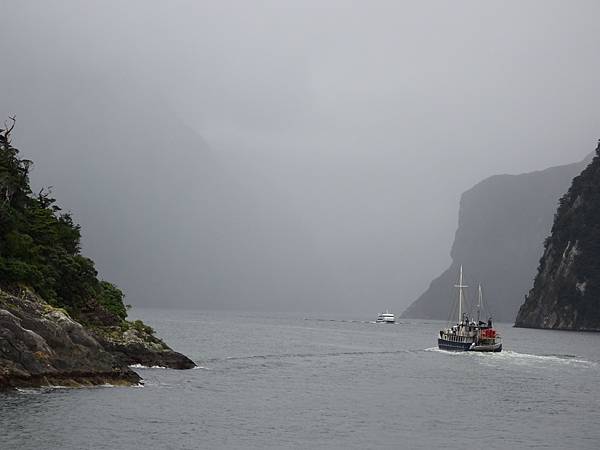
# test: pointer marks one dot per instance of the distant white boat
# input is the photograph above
(386, 317)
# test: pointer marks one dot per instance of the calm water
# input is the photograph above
(284, 381)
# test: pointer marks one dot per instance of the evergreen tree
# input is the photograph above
(40, 246)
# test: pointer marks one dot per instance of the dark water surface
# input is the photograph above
(285, 381)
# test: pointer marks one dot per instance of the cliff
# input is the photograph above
(502, 223)
(566, 290)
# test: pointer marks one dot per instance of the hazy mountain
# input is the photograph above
(161, 215)
(502, 224)
(567, 286)
(337, 153)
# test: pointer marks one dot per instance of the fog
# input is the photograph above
(304, 156)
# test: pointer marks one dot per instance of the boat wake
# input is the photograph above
(301, 356)
(320, 355)
(509, 355)
(340, 320)
(558, 359)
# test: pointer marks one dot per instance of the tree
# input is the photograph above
(40, 245)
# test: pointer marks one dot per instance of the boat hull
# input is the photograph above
(454, 346)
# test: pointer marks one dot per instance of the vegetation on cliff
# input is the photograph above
(49, 290)
(566, 290)
(40, 246)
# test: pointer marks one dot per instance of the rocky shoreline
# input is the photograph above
(41, 345)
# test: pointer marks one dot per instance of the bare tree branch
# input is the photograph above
(7, 130)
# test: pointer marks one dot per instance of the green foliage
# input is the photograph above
(141, 326)
(111, 299)
(568, 278)
(40, 245)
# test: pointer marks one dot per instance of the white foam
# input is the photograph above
(510, 355)
(140, 366)
(570, 359)
(30, 391)
(445, 352)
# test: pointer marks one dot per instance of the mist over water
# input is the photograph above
(289, 381)
(303, 156)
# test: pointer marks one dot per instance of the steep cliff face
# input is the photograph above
(502, 223)
(566, 290)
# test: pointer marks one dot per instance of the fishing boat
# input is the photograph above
(386, 317)
(469, 334)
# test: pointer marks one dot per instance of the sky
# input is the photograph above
(297, 155)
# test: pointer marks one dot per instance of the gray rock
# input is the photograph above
(138, 346)
(41, 345)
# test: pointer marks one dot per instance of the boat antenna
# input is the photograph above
(460, 287)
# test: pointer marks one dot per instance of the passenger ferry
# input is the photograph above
(468, 334)
(386, 317)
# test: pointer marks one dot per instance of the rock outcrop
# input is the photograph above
(502, 223)
(137, 345)
(566, 290)
(41, 345)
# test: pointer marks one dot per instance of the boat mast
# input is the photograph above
(479, 304)
(460, 287)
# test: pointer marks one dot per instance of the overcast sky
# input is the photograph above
(354, 125)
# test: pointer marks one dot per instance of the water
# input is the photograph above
(286, 381)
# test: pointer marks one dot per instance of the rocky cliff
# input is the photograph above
(59, 322)
(41, 345)
(502, 223)
(566, 290)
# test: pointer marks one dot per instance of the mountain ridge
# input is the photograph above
(502, 223)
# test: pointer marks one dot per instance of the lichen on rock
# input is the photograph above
(41, 345)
